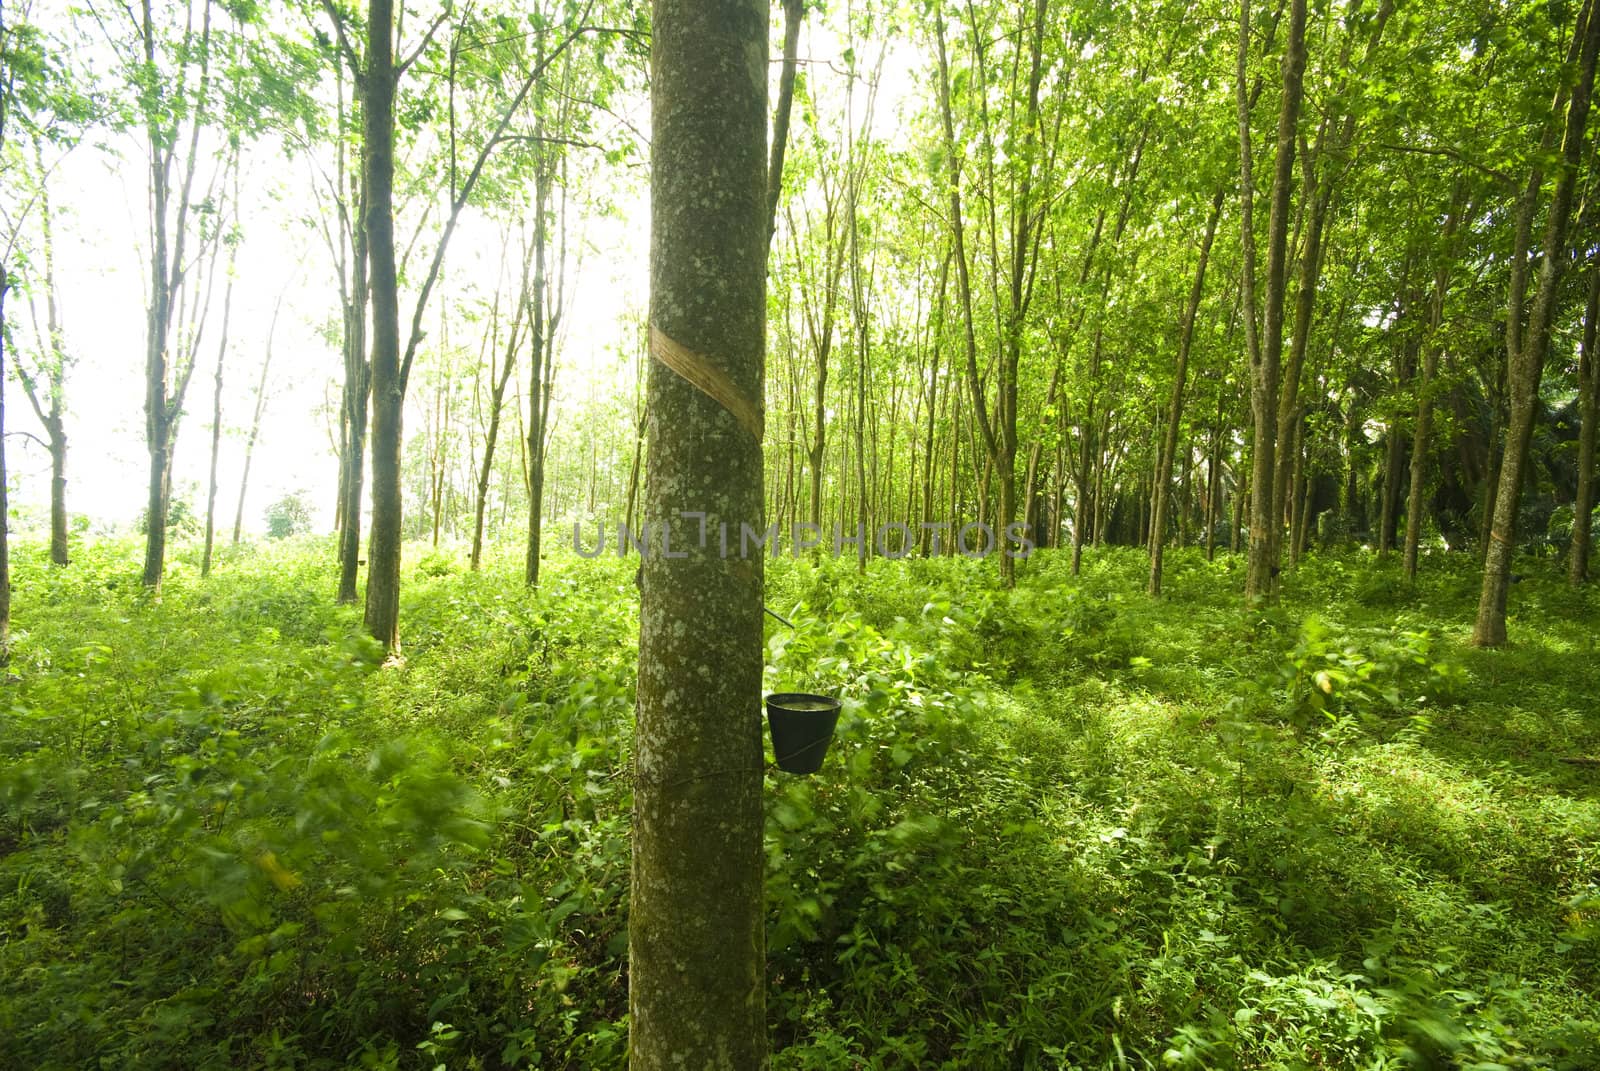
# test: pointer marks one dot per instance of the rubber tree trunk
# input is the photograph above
(696, 939)
(538, 384)
(1526, 361)
(5, 505)
(1588, 388)
(211, 480)
(58, 500)
(216, 404)
(388, 391)
(164, 385)
(1180, 374)
(255, 427)
(357, 396)
(50, 415)
(1267, 355)
(794, 13)
(1082, 509)
(1422, 432)
(497, 395)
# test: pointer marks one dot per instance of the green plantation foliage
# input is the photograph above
(1059, 826)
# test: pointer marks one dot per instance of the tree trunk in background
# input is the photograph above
(1424, 426)
(1267, 354)
(1394, 439)
(1350, 488)
(1241, 499)
(49, 411)
(438, 463)
(538, 385)
(1393, 463)
(1180, 373)
(166, 384)
(216, 401)
(794, 12)
(216, 449)
(1082, 507)
(388, 391)
(1491, 481)
(255, 423)
(1331, 144)
(1588, 389)
(5, 504)
(1526, 351)
(357, 398)
(929, 466)
(1304, 483)
(697, 980)
(497, 396)
(863, 322)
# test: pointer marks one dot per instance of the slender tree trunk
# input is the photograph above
(357, 400)
(1393, 463)
(255, 423)
(1526, 350)
(1588, 389)
(863, 321)
(1241, 500)
(165, 384)
(932, 409)
(794, 13)
(50, 415)
(537, 385)
(440, 459)
(1297, 485)
(1083, 507)
(1424, 426)
(1180, 373)
(1214, 485)
(216, 449)
(697, 978)
(216, 404)
(1306, 496)
(5, 504)
(1267, 353)
(388, 390)
(497, 394)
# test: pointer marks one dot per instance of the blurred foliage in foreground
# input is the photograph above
(1060, 826)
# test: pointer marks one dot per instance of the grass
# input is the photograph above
(1060, 826)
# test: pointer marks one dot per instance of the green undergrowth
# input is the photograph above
(1060, 826)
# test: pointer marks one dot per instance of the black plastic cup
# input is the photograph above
(802, 728)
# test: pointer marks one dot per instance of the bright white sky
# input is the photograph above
(101, 266)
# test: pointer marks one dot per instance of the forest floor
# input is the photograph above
(1061, 826)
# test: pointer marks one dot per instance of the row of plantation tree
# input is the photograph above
(1257, 277)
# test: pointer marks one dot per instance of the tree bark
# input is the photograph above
(1526, 361)
(5, 504)
(538, 385)
(388, 390)
(167, 380)
(1180, 373)
(216, 449)
(794, 12)
(357, 401)
(1267, 353)
(255, 422)
(1588, 389)
(49, 409)
(696, 919)
(497, 394)
(1424, 427)
(216, 396)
